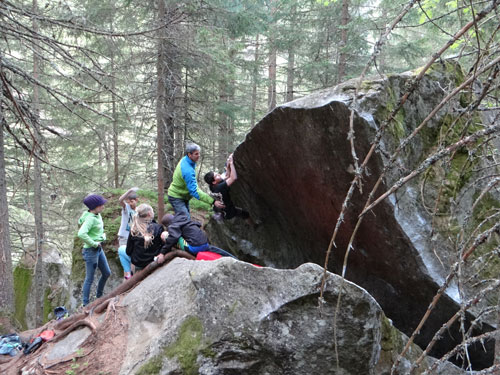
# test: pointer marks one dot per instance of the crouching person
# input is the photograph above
(144, 242)
(181, 225)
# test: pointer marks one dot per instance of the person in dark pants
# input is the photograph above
(180, 225)
(92, 234)
(184, 185)
(220, 185)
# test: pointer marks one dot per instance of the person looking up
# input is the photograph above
(128, 202)
(220, 185)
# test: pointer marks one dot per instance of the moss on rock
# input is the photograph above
(486, 207)
(449, 68)
(457, 174)
(78, 264)
(185, 349)
(391, 338)
(188, 345)
(22, 285)
(47, 306)
(449, 178)
(396, 126)
(151, 367)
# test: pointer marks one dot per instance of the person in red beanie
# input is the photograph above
(92, 234)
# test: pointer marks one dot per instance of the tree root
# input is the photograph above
(101, 304)
(5, 360)
(65, 323)
(110, 306)
(78, 323)
(11, 364)
(84, 317)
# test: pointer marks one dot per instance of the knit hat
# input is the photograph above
(93, 200)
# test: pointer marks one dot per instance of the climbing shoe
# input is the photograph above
(35, 344)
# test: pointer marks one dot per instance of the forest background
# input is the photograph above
(102, 95)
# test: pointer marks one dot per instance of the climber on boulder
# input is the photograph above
(220, 186)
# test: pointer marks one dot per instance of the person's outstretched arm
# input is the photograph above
(233, 176)
(125, 196)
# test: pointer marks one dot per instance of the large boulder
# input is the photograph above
(55, 288)
(249, 319)
(231, 317)
(295, 168)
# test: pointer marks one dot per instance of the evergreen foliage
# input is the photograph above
(98, 83)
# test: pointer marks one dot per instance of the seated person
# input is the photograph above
(219, 185)
(181, 225)
(144, 241)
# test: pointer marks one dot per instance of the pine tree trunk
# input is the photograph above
(6, 279)
(343, 42)
(383, 53)
(161, 68)
(173, 96)
(115, 119)
(254, 82)
(181, 111)
(39, 235)
(271, 89)
(169, 85)
(290, 74)
(222, 136)
(39, 232)
(181, 131)
(290, 70)
(104, 146)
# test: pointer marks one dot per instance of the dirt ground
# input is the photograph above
(100, 354)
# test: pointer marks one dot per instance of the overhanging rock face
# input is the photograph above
(294, 170)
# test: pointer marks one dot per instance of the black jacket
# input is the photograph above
(139, 255)
(190, 230)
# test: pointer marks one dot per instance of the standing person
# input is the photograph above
(179, 225)
(128, 201)
(219, 185)
(184, 185)
(144, 242)
(92, 234)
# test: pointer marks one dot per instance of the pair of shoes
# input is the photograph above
(33, 346)
(127, 277)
